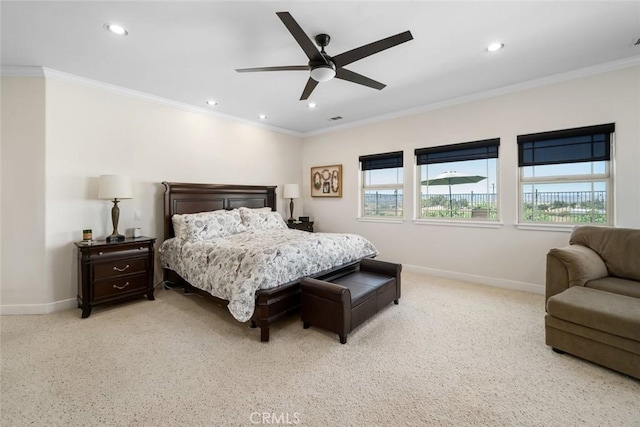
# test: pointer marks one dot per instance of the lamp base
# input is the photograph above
(115, 238)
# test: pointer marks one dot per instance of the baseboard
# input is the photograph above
(15, 309)
(482, 280)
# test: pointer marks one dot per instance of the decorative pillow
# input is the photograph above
(210, 225)
(179, 227)
(262, 219)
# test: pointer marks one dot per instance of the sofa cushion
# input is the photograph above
(630, 288)
(582, 264)
(618, 247)
(604, 311)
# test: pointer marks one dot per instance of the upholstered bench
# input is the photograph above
(344, 303)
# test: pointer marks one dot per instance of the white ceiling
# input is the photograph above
(188, 51)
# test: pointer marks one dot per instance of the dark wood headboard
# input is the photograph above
(185, 198)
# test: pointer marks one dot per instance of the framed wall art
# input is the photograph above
(326, 181)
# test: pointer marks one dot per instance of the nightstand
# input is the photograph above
(113, 272)
(304, 226)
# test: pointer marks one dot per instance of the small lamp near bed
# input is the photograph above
(115, 188)
(291, 191)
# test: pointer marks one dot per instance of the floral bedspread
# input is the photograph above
(234, 267)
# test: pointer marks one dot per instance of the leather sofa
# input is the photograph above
(593, 297)
(345, 303)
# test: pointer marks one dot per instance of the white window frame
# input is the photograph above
(490, 222)
(364, 188)
(606, 176)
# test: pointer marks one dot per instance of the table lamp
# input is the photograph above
(115, 188)
(291, 191)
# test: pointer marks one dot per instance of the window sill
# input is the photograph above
(568, 228)
(459, 223)
(383, 220)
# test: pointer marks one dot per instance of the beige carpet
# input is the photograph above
(450, 354)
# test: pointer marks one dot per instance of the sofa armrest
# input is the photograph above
(557, 278)
(572, 265)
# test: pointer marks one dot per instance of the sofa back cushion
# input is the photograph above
(619, 248)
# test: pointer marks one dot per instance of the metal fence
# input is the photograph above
(565, 207)
(550, 207)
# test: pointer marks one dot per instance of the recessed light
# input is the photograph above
(262, 117)
(312, 105)
(212, 102)
(116, 29)
(494, 47)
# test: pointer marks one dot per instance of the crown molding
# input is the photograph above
(43, 72)
(30, 71)
(518, 87)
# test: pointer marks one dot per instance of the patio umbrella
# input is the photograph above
(453, 178)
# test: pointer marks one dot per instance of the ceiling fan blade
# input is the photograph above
(282, 68)
(350, 76)
(301, 37)
(358, 53)
(311, 85)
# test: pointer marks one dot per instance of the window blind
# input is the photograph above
(485, 149)
(585, 144)
(381, 161)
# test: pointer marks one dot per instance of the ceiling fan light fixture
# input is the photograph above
(323, 73)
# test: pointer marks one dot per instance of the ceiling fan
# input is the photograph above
(323, 67)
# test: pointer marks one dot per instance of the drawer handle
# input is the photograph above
(121, 269)
(121, 287)
(99, 253)
(141, 248)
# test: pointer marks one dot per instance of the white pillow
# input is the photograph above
(210, 225)
(262, 219)
(179, 227)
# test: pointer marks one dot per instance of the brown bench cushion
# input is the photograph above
(363, 285)
(604, 311)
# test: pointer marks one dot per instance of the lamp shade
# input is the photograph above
(115, 187)
(291, 191)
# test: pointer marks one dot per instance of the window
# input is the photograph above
(565, 176)
(458, 181)
(382, 181)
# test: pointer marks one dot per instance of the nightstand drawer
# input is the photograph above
(304, 226)
(116, 267)
(113, 249)
(120, 286)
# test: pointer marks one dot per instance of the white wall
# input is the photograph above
(506, 256)
(23, 207)
(92, 131)
(58, 137)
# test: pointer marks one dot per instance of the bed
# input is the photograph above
(278, 256)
